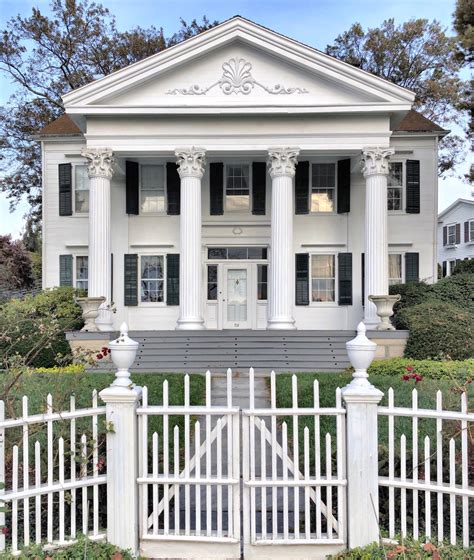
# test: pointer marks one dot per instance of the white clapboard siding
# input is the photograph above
(48, 474)
(433, 476)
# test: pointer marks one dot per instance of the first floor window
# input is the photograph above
(395, 274)
(323, 278)
(81, 189)
(452, 234)
(452, 266)
(152, 189)
(262, 282)
(82, 273)
(212, 282)
(395, 186)
(323, 187)
(471, 230)
(237, 188)
(152, 279)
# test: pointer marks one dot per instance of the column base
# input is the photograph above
(190, 325)
(281, 324)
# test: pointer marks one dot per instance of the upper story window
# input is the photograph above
(152, 189)
(323, 187)
(323, 278)
(81, 189)
(451, 238)
(237, 188)
(152, 274)
(82, 273)
(395, 270)
(395, 186)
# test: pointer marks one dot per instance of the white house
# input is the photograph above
(456, 234)
(240, 179)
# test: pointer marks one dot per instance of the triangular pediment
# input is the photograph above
(237, 64)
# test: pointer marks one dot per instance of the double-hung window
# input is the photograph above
(152, 276)
(152, 189)
(471, 231)
(395, 186)
(395, 269)
(237, 188)
(323, 278)
(323, 187)
(451, 238)
(81, 189)
(82, 273)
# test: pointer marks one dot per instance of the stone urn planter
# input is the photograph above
(90, 311)
(384, 305)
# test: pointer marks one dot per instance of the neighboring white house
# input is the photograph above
(239, 179)
(456, 234)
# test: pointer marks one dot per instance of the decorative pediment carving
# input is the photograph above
(237, 78)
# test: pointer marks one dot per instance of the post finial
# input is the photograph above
(124, 329)
(361, 329)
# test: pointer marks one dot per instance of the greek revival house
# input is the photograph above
(239, 180)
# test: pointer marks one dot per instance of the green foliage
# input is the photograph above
(439, 331)
(83, 549)
(15, 269)
(33, 327)
(457, 289)
(464, 267)
(451, 369)
(71, 368)
(409, 550)
(412, 294)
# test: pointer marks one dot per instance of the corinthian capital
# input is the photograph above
(191, 162)
(375, 161)
(101, 162)
(282, 161)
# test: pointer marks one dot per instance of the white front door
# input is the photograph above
(236, 296)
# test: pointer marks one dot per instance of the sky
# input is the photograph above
(314, 22)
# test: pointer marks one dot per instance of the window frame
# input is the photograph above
(402, 187)
(224, 187)
(448, 226)
(471, 231)
(334, 210)
(216, 265)
(451, 266)
(336, 280)
(75, 269)
(74, 165)
(165, 191)
(262, 264)
(402, 258)
(139, 280)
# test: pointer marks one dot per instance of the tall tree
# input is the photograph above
(464, 27)
(15, 264)
(47, 56)
(417, 55)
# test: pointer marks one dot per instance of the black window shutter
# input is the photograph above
(131, 182)
(344, 261)
(362, 262)
(216, 189)
(302, 189)
(458, 234)
(302, 278)
(131, 279)
(65, 270)
(343, 186)
(172, 279)
(259, 179)
(445, 268)
(173, 189)
(413, 186)
(466, 232)
(445, 235)
(65, 189)
(412, 273)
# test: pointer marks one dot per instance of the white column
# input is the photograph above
(191, 162)
(375, 169)
(101, 162)
(281, 164)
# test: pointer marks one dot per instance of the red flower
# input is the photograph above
(418, 378)
(409, 368)
(4, 530)
(406, 377)
(99, 356)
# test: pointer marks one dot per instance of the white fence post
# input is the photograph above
(361, 400)
(121, 400)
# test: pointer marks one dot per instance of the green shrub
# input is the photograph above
(457, 290)
(412, 294)
(409, 550)
(460, 370)
(438, 331)
(465, 266)
(23, 323)
(71, 368)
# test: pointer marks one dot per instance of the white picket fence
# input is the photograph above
(218, 480)
(49, 475)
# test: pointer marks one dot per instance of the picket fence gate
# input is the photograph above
(220, 481)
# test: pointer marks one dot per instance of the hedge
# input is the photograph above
(409, 550)
(459, 370)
